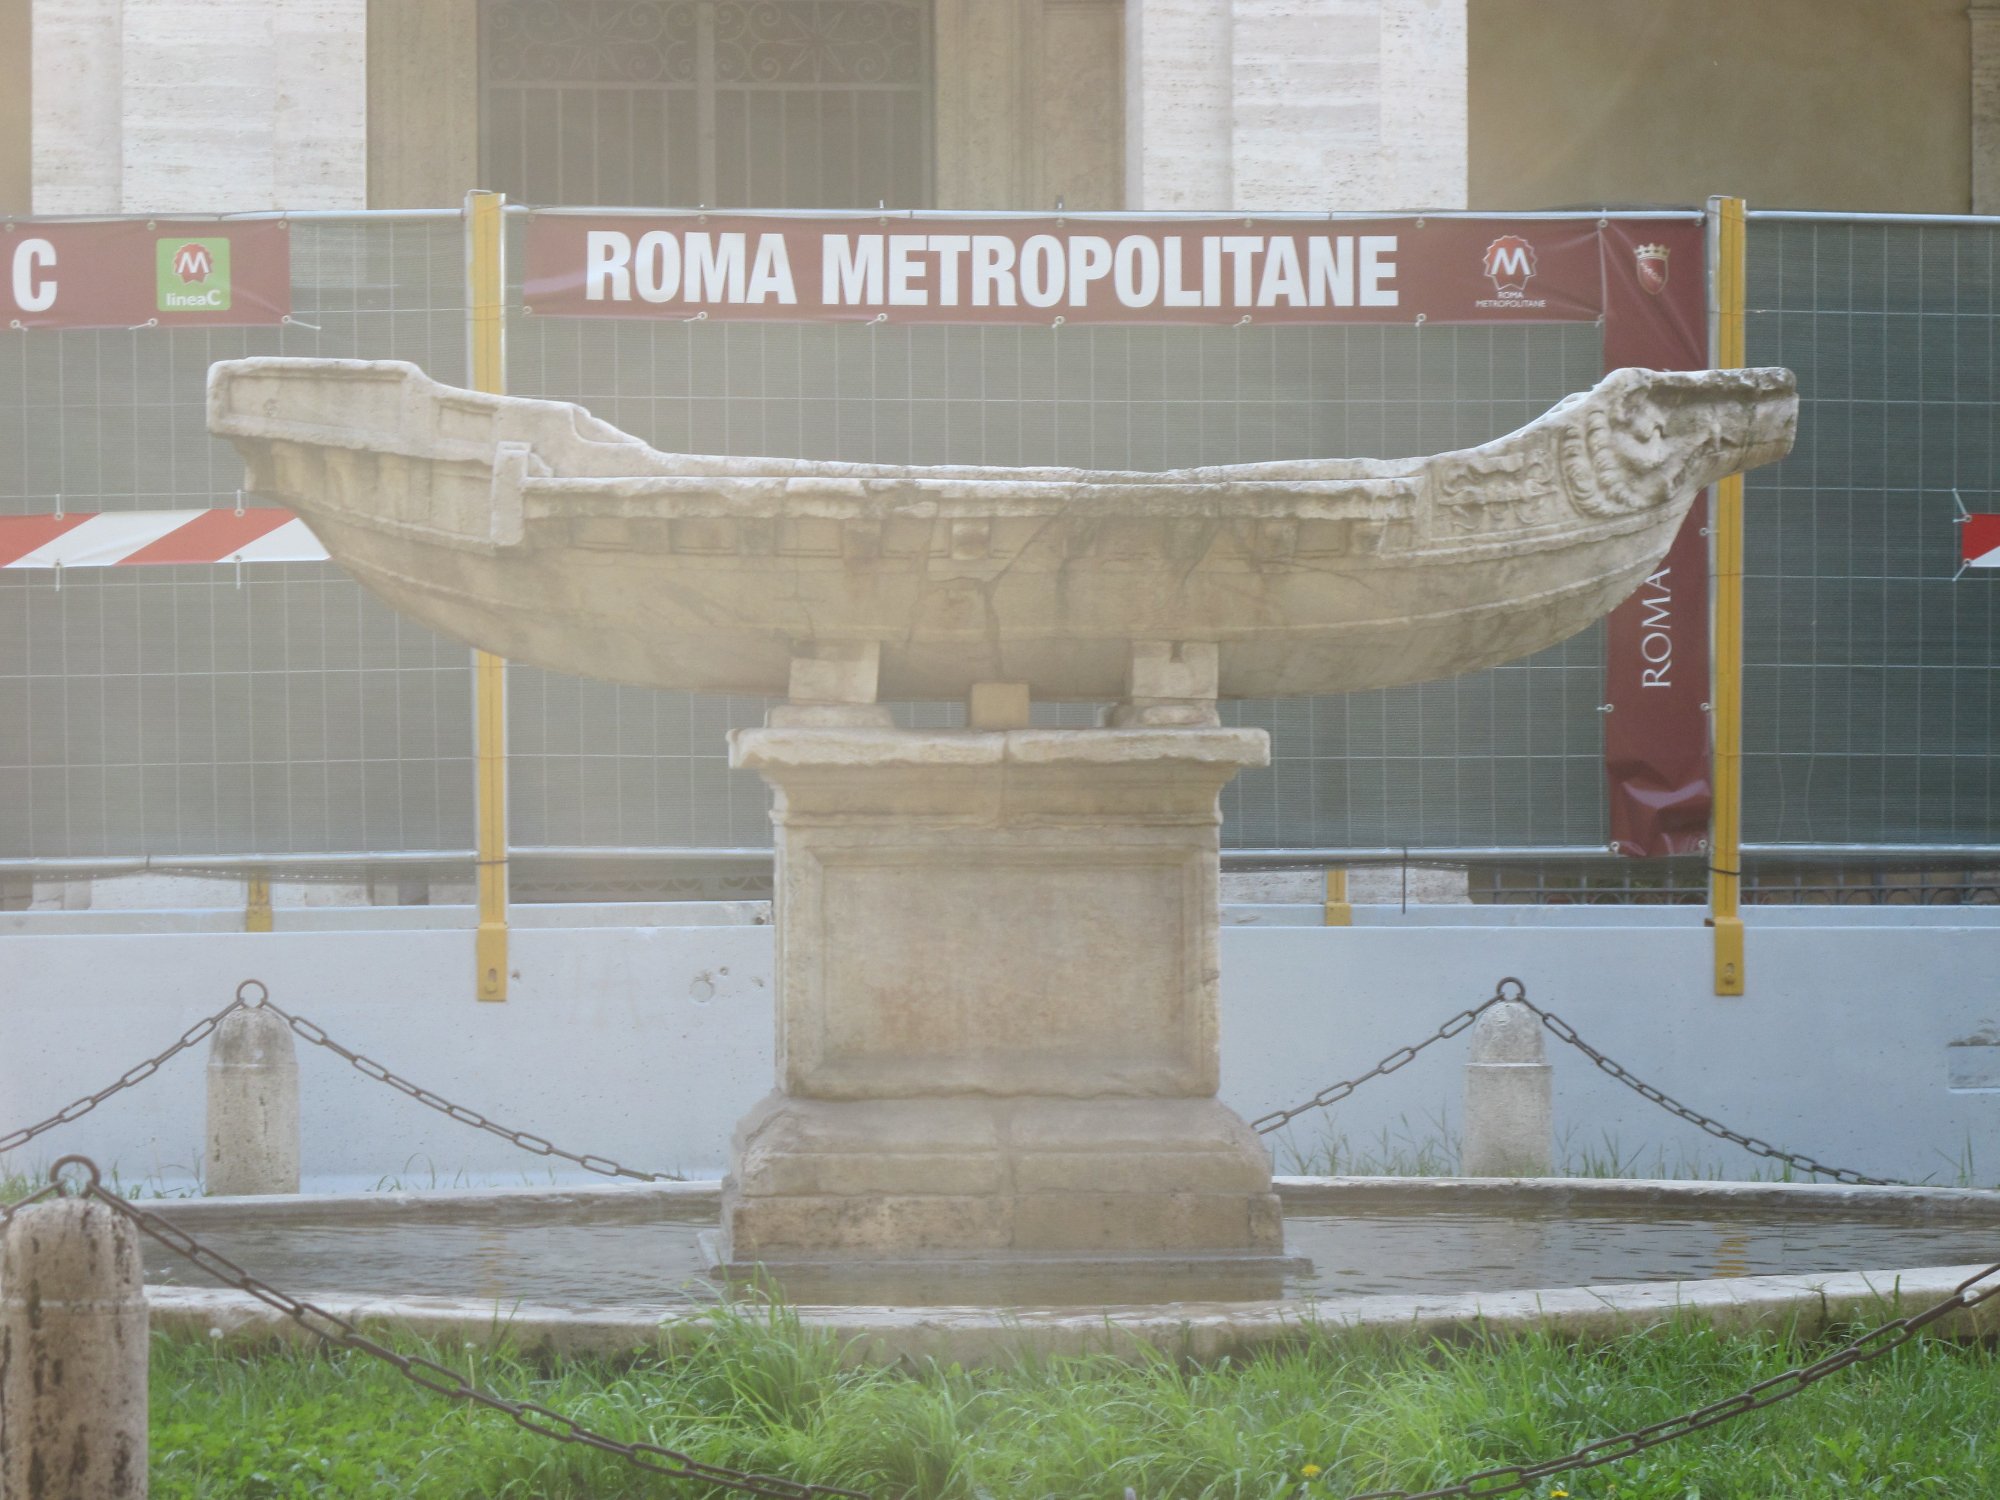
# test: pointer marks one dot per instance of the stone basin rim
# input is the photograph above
(1807, 1303)
(1302, 1192)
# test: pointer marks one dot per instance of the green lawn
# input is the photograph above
(1369, 1413)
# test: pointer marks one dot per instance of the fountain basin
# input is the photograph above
(603, 1268)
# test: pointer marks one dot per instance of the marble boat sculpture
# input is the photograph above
(539, 532)
(995, 955)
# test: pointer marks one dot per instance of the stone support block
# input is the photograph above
(72, 1354)
(1169, 684)
(997, 705)
(832, 685)
(1509, 1126)
(253, 1106)
(996, 999)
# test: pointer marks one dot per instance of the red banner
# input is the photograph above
(1069, 269)
(137, 273)
(1656, 668)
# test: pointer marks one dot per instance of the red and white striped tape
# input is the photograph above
(1979, 541)
(126, 538)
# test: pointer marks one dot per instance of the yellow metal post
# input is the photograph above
(1725, 850)
(257, 904)
(486, 357)
(1339, 911)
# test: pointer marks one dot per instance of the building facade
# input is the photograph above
(135, 106)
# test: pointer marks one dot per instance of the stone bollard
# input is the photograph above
(72, 1354)
(1509, 1122)
(253, 1105)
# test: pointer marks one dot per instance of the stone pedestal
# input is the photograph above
(996, 1001)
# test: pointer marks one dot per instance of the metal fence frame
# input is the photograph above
(1754, 854)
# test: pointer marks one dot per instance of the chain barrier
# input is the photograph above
(1876, 1342)
(1563, 1031)
(1333, 1093)
(1505, 1479)
(1511, 989)
(307, 1031)
(138, 1073)
(428, 1373)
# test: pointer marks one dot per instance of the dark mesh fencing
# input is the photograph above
(1872, 702)
(177, 712)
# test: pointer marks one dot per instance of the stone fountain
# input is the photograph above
(996, 946)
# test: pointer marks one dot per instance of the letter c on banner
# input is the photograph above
(29, 294)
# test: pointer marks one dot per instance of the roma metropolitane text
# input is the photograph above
(1053, 271)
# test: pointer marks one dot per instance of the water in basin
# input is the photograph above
(603, 1260)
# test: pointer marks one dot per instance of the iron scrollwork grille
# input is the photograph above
(730, 103)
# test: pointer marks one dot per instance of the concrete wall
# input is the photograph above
(1859, 105)
(645, 1043)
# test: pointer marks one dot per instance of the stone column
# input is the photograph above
(72, 1354)
(1029, 103)
(1985, 18)
(17, 166)
(423, 102)
(1509, 1120)
(253, 1106)
(1177, 104)
(996, 1000)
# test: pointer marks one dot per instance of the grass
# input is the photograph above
(1365, 1412)
(17, 1185)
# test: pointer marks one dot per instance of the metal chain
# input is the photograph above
(1563, 1031)
(1875, 1343)
(428, 1373)
(1512, 989)
(604, 1166)
(138, 1073)
(1333, 1093)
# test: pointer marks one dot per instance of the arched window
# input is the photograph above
(729, 103)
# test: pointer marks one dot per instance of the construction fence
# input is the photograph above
(226, 716)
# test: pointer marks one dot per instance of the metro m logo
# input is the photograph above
(1509, 264)
(192, 262)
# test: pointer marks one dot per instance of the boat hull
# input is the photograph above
(495, 521)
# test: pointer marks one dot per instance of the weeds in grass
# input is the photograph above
(1360, 1412)
(1432, 1150)
(15, 1186)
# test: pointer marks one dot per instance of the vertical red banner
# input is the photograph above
(1656, 751)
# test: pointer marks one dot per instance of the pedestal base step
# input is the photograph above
(980, 1278)
(890, 1179)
